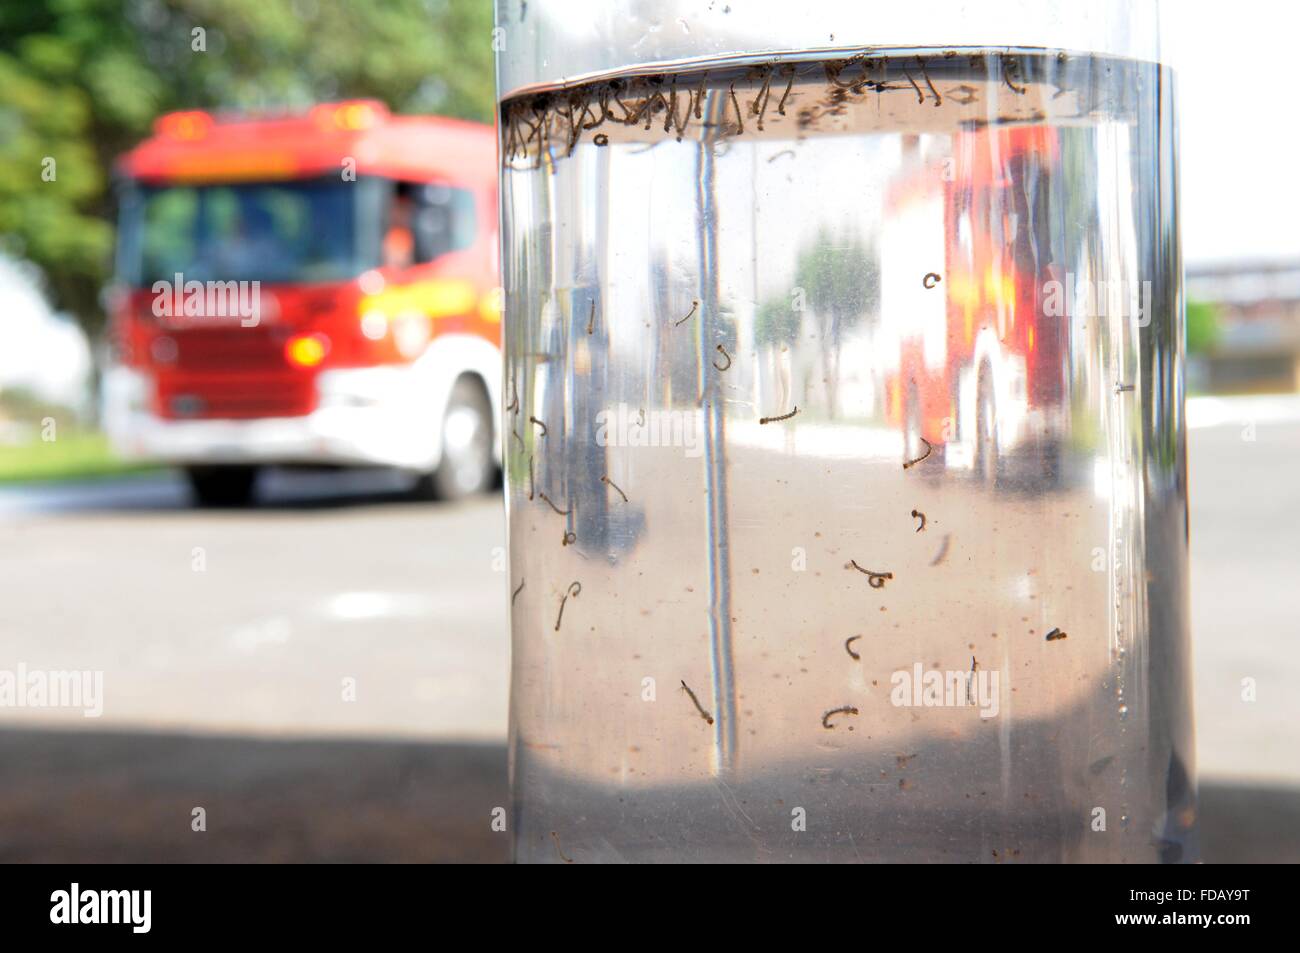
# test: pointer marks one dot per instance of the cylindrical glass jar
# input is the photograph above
(844, 440)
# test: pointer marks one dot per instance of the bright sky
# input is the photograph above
(1238, 84)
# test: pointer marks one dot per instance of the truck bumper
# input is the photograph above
(365, 417)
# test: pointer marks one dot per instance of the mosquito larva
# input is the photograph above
(698, 707)
(591, 318)
(600, 139)
(636, 116)
(773, 420)
(511, 134)
(764, 95)
(679, 125)
(534, 420)
(688, 108)
(627, 113)
(670, 120)
(938, 100)
(695, 303)
(740, 120)
(847, 647)
(874, 579)
(556, 837)
(920, 96)
(659, 100)
(918, 515)
(608, 482)
(553, 506)
(843, 710)
(647, 108)
(515, 594)
(908, 464)
(575, 129)
(723, 351)
(928, 283)
(543, 134)
(1056, 635)
(631, 116)
(837, 68)
(575, 587)
(531, 480)
(655, 101)
(780, 107)
(1010, 65)
(604, 111)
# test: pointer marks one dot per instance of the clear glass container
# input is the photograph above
(844, 440)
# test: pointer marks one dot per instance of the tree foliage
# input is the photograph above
(776, 323)
(82, 80)
(1202, 326)
(840, 275)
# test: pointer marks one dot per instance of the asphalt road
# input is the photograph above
(1245, 542)
(329, 672)
(338, 607)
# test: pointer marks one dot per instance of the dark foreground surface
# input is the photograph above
(109, 797)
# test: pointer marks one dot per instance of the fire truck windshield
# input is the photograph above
(307, 231)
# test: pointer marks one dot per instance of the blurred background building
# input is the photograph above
(1244, 327)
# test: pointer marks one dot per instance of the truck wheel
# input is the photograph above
(466, 466)
(222, 486)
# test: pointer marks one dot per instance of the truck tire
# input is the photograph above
(222, 486)
(466, 466)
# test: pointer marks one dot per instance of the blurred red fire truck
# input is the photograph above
(980, 367)
(312, 289)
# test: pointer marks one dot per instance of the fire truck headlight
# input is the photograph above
(306, 350)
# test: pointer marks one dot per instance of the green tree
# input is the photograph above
(776, 323)
(1202, 326)
(82, 80)
(840, 276)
